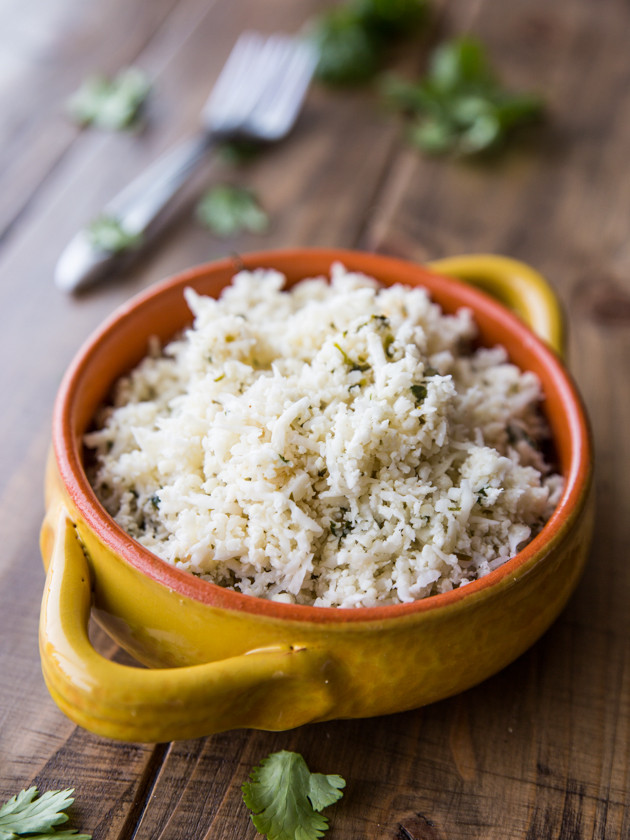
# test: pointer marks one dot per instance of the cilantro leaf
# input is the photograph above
(107, 234)
(349, 53)
(351, 39)
(324, 790)
(419, 392)
(69, 834)
(460, 106)
(37, 817)
(227, 210)
(391, 18)
(239, 151)
(460, 61)
(113, 104)
(285, 797)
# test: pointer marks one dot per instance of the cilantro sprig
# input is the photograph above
(108, 235)
(286, 798)
(36, 817)
(110, 103)
(228, 210)
(460, 106)
(352, 38)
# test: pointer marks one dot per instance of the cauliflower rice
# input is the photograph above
(338, 444)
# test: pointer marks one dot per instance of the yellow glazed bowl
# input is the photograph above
(221, 660)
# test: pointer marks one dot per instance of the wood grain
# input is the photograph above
(539, 752)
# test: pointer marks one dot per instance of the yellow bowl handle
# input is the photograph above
(276, 688)
(514, 284)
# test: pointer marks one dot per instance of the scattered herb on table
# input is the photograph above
(460, 106)
(286, 799)
(349, 54)
(239, 151)
(114, 103)
(36, 817)
(227, 210)
(352, 39)
(391, 18)
(107, 234)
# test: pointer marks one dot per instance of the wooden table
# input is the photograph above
(539, 752)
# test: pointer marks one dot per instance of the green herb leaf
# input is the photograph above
(227, 210)
(349, 53)
(419, 392)
(238, 152)
(342, 526)
(391, 18)
(460, 107)
(25, 814)
(462, 61)
(352, 38)
(107, 234)
(360, 365)
(113, 104)
(285, 797)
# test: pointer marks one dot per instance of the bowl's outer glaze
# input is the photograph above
(221, 660)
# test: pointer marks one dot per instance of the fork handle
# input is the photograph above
(140, 203)
(136, 209)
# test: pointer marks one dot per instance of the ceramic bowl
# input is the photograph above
(220, 660)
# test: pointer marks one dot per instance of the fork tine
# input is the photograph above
(278, 109)
(234, 75)
(261, 86)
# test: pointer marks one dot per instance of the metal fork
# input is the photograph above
(257, 96)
